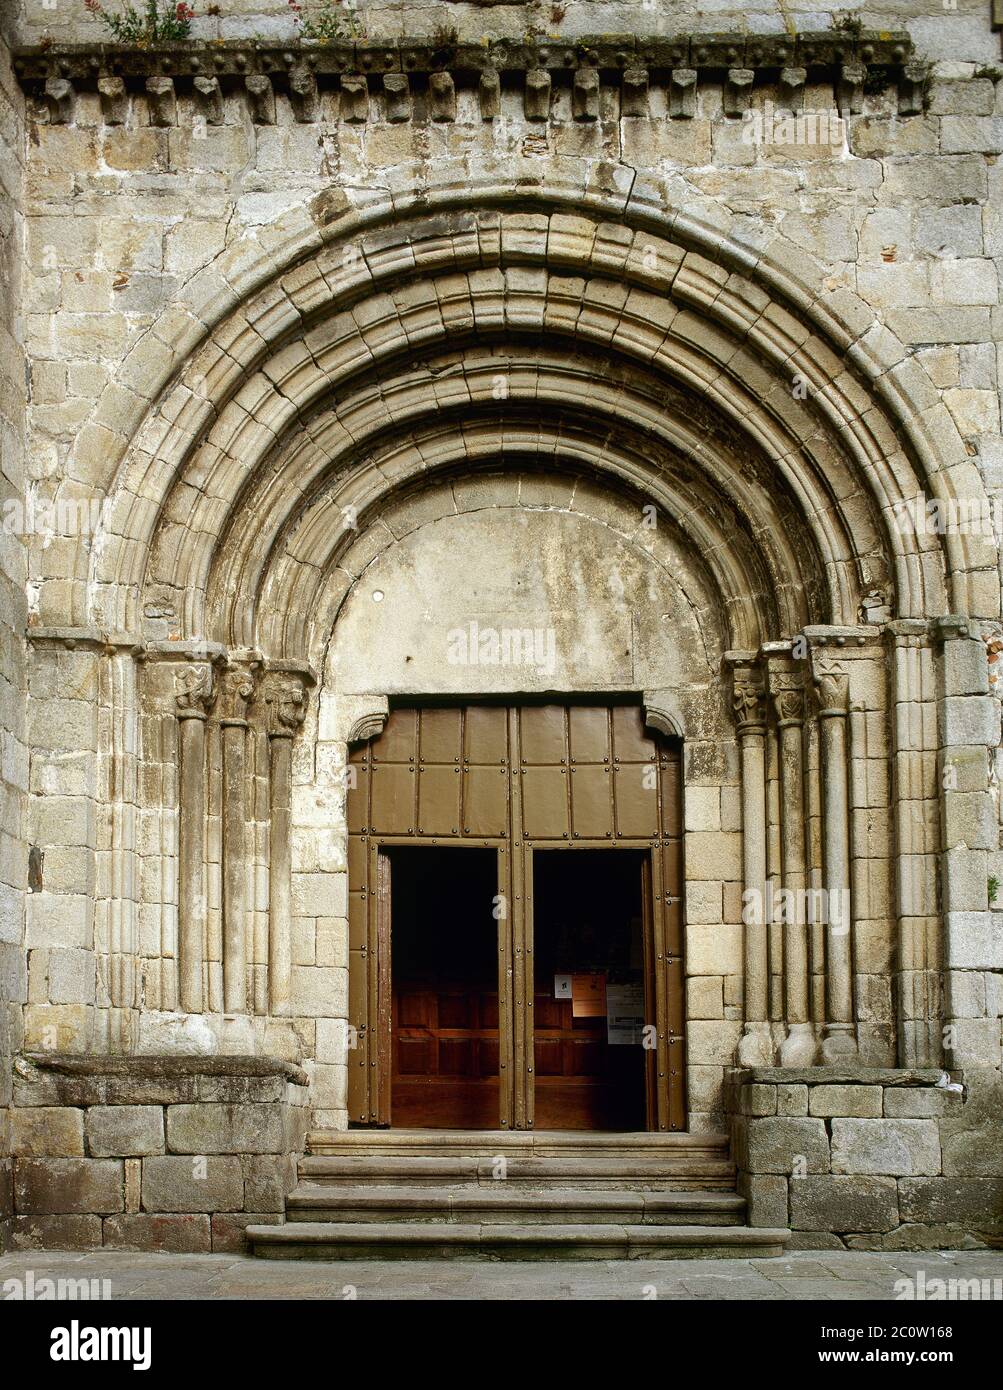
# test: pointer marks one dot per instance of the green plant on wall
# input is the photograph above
(993, 886)
(329, 21)
(155, 22)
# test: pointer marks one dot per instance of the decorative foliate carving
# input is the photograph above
(748, 700)
(285, 703)
(788, 706)
(236, 688)
(832, 688)
(194, 691)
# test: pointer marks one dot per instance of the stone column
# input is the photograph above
(799, 1047)
(915, 813)
(195, 692)
(755, 1047)
(116, 915)
(285, 699)
(969, 736)
(832, 686)
(236, 688)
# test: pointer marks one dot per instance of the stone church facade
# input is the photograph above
(364, 403)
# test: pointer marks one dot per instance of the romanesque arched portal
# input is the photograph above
(521, 652)
(605, 424)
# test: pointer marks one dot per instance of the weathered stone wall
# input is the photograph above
(153, 1153)
(162, 213)
(959, 32)
(867, 1159)
(13, 602)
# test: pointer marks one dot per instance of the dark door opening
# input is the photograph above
(589, 990)
(444, 984)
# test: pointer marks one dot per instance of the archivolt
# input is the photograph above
(373, 362)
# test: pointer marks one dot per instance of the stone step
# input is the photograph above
(667, 1173)
(393, 1240)
(486, 1143)
(498, 1202)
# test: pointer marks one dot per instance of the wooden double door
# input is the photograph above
(515, 877)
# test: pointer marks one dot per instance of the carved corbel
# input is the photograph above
(912, 89)
(114, 100)
(850, 89)
(792, 85)
(585, 94)
(737, 91)
(303, 94)
(683, 94)
(536, 97)
(210, 99)
(489, 94)
(367, 726)
(634, 96)
(441, 97)
(397, 89)
(661, 712)
(60, 101)
(163, 101)
(261, 95)
(354, 98)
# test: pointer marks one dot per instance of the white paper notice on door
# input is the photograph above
(624, 1013)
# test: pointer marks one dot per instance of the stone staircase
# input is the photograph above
(421, 1194)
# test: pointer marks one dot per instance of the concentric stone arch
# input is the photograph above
(250, 377)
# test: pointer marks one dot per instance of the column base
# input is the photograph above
(838, 1045)
(755, 1047)
(800, 1046)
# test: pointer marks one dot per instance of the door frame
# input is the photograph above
(663, 966)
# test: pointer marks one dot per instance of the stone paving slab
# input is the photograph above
(862, 1276)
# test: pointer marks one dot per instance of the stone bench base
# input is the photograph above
(152, 1153)
(867, 1158)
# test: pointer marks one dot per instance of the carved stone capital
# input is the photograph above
(832, 689)
(236, 688)
(788, 706)
(748, 700)
(194, 691)
(785, 682)
(285, 700)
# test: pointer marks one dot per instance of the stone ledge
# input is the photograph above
(52, 1079)
(836, 1076)
(162, 1067)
